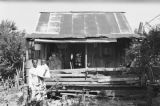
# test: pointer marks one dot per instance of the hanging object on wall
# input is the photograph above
(37, 46)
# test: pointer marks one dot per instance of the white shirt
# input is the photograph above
(33, 77)
(43, 71)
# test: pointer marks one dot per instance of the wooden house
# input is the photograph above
(91, 46)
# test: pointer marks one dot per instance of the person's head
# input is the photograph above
(34, 62)
(43, 61)
(53, 55)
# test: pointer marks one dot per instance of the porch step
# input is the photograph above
(99, 79)
(93, 84)
(88, 70)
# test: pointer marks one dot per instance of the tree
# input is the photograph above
(147, 53)
(13, 47)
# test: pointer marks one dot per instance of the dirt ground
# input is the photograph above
(10, 98)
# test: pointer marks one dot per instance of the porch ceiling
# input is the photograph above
(82, 25)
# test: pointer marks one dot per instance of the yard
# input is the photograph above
(9, 97)
(12, 96)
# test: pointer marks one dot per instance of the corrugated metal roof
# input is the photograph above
(82, 25)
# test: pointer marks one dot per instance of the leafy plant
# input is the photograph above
(147, 49)
(145, 52)
(12, 45)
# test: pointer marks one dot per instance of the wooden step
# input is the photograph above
(88, 83)
(70, 75)
(73, 94)
(99, 79)
(128, 93)
(107, 79)
(70, 79)
(81, 70)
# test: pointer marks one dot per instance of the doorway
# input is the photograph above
(77, 53)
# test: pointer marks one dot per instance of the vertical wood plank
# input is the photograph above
(86, 56)
(45, 51)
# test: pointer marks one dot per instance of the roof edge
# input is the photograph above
(52, 36)
(83, 12)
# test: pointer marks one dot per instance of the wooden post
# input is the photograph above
(45, 51)
(23, 69)
(27, 49)
(86, 61)
(27, 54)
(86, 56)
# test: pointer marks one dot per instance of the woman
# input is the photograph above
(54, 62)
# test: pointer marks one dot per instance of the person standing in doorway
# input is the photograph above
(54, 62)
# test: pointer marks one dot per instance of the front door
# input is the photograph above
(77, 55)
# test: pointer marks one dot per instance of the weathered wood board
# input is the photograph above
(92, 77)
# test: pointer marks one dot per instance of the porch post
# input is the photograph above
(45, 51)
(86, 56)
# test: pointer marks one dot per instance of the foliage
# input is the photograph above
(146, 50)
(151, 47)
(12, 46)
(133, 52)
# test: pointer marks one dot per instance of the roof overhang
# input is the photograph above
(66, 36)
(106, 40)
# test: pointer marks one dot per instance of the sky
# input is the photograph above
(26, 14)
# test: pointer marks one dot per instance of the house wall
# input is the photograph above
(107, 54)
(98, 54)
(101, 55)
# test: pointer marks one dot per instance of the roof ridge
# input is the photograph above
(82, 12)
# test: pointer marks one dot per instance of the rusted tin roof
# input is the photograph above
(82, 25)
